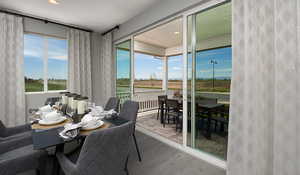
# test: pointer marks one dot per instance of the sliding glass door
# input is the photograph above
(123, 70)
(208, 52)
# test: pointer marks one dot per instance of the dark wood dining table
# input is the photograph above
(44, 137)
(207, 105)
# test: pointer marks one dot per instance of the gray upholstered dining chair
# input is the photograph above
(8, 133)
(129, 112)
(103, 152)
(112, 103)
(22, 159)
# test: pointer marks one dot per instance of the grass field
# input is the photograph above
(201, 85)
(38, 85)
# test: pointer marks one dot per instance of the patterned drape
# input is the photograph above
(264, 129)
(107, 68)
(79, 54)
(12, 97)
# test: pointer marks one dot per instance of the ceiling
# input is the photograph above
(210, 23)
(164, 35)
(98, 15)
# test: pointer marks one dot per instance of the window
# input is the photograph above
(175, 66)
(45, 63)
(214, 67)
(148, 72)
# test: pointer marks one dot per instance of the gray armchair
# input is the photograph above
(21, 160)
(103, 152)
(129, 112)
(17, 132)
(112, 103)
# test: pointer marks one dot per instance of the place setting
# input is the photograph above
(72, 115)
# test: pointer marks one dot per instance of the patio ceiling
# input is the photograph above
(208, 26)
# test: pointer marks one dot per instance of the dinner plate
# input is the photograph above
(47, 122)
(98, 124)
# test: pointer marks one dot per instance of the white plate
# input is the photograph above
(98, 124)
(47, 122)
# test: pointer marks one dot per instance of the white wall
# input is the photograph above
(37, 26)
(160, 11)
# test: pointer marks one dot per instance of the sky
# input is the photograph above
(34, 53)
(147, 66)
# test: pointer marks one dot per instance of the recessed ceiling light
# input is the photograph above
(176, 33)
(53, 2)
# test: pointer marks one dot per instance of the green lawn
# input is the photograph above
(38, 86)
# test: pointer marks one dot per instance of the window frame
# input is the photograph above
(45, 63)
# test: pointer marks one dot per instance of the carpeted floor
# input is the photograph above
(159, 159)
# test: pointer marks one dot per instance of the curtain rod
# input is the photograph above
(45, 20)
(112, 29)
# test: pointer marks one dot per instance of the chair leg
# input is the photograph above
(37, 172)
(126, 165)
(137, 148)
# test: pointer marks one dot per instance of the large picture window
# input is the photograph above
(45, 63)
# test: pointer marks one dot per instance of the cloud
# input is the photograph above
(223, 70)
(159, 68)
(176, 68)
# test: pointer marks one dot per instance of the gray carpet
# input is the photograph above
(161, 159)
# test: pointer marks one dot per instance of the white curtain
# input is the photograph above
(107, 68)
(264, 129)
(79, 54)
(12, 97)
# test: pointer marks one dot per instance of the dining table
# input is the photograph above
(209, 106)
(47, 136)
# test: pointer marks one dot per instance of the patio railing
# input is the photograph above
(147, 100)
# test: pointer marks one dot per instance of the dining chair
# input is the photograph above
(8, 133)
(161, 105)
(112, 103)
(22, 159)
(129, 112)
(104, 152)
(173, 110)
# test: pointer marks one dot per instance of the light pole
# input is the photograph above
(213, 62)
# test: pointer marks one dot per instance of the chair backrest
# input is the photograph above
(112, 103)
(171, 103)
(129, 110)
(162, 99)
(106, 151)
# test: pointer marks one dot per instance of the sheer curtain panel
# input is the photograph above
(79, 54)
(264, 129)
(12, 97)
(107, 68)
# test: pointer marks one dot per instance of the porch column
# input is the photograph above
(165, 74)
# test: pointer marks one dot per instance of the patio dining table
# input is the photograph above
(44, 137)
(209, 107)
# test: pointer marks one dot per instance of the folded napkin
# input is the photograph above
(111, 112)
(46, 108)
(89, 121)
(70, 131)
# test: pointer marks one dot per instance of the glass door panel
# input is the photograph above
(209, 37)
(123, 70)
